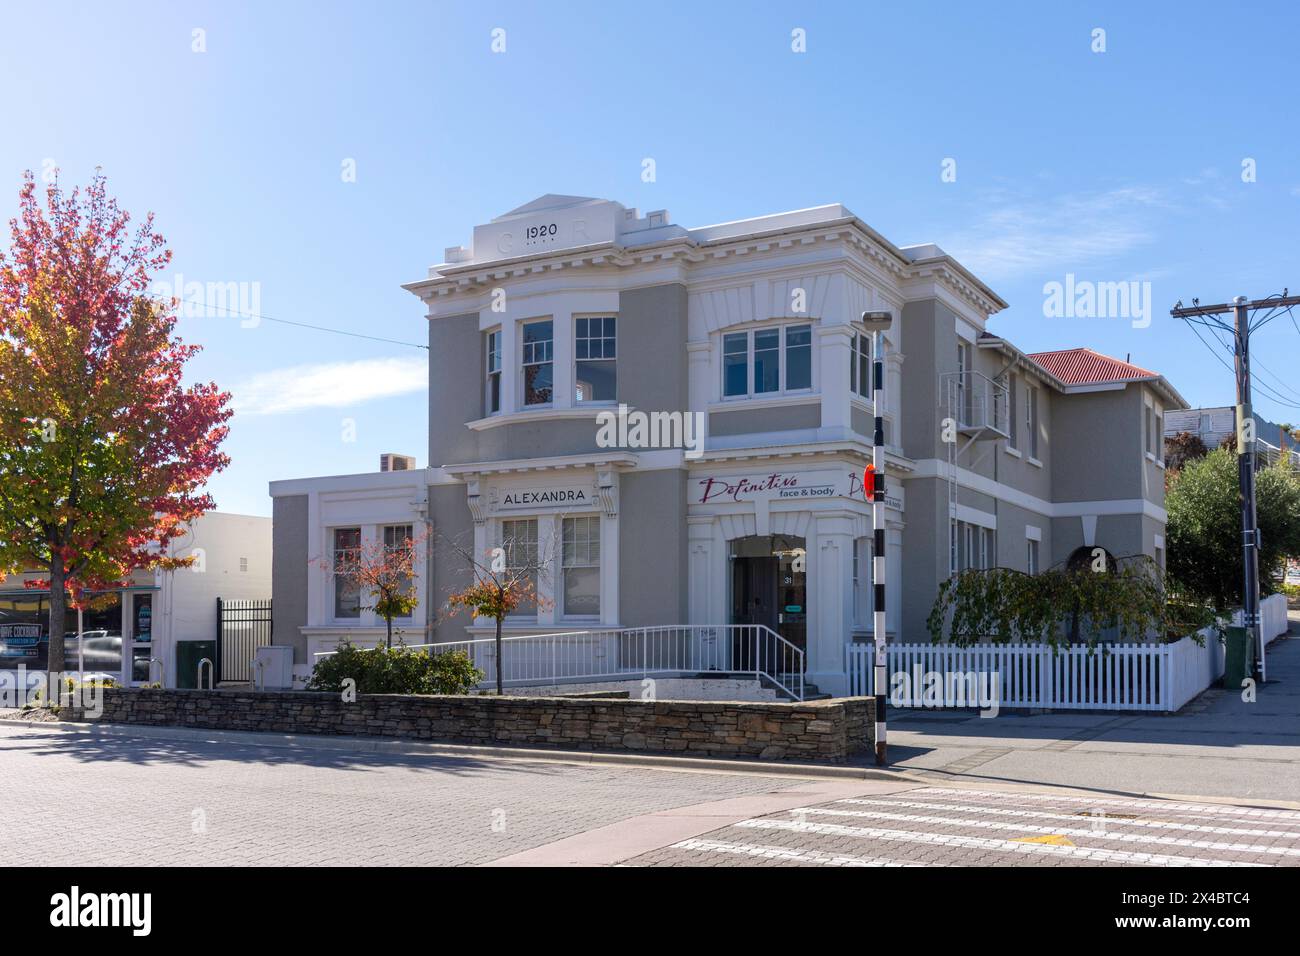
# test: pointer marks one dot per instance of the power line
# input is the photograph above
(301, 325)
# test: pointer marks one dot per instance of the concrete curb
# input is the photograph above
(414, 748)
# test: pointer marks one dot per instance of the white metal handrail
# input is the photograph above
(623, 653)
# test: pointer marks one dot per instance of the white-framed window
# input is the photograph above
(581, 566)
(1031, 558)
(243, 564)
(986, 548)
(860, 366)
(594, 348)
(952, 546)
(798, 358)
(398, 538)
(1031, 421)
(863, 594)
(964, 389)
(767, 361)
(347, 592)
(539, 362)
(492, 398)
(519, 540)
(1154, 427)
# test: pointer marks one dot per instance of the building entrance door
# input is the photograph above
(769, 588)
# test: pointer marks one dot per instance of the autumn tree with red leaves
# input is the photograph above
(104, 454)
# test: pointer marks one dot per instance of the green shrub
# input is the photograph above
(396, 670)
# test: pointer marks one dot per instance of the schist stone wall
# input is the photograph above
(824, 730)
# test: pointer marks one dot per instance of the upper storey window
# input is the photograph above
(767, 361)
(539, 363)
(594, 344)
(860, 366)
(494, 372)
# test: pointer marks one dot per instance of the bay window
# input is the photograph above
(493, 397)
(594, 351)
(539, 363)
(735, 364)
(767, 361)
(860, 366)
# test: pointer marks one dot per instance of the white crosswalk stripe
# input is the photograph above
(1103, 819)
(1095, 854)
(786, 853)
(1031, 829)
(1135, 803)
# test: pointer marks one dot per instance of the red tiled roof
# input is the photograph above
(1086, 367)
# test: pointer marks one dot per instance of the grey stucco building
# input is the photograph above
(675, 421)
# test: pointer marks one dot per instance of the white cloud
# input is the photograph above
(1017, 237)
(329, 385)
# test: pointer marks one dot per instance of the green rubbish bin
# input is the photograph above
(1237, 658)
(188, 655)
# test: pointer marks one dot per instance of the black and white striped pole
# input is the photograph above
(876, 323)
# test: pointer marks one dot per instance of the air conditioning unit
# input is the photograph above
(389, 461)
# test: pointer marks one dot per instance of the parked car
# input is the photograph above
(103, 651)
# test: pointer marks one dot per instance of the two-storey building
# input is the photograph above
(674, 422)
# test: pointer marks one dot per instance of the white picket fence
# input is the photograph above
(1155, 677)
(1123, 677)
(1272, 617)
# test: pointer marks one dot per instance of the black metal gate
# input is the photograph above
(242, 627)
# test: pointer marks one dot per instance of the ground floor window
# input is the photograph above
(970, 547)
(398, 538)
(1031, 563)
(581, 567)
(862, 581)
(25, 632)
(347, 592)
(519, 540)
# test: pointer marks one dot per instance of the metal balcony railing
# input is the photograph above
(977, 404)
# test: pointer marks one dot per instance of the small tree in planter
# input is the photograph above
(386, 572)
(503, 583)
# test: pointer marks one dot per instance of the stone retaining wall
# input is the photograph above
(824, 730)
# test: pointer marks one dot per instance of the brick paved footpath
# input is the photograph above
(120, 799)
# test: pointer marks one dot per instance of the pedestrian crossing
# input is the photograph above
(939, 826)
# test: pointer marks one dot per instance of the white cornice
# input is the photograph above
(613, 459)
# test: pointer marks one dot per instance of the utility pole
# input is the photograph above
(1246, 482)
(1241, 308)
(876, 323)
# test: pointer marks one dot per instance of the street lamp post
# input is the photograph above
(876, 323)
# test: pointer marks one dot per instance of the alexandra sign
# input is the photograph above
(571, 496)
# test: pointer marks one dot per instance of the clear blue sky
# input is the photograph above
(1112, 166)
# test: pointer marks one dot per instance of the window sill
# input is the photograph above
(767, 401)
(1035, 462)
(542, 413)
(1013, 452)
